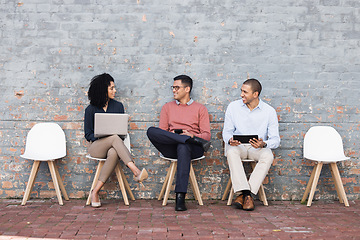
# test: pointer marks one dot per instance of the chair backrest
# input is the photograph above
(127, 142)
(45, 141)
(323, 143)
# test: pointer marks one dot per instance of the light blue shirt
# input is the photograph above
(261, 121)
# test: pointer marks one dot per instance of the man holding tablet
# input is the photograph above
(251, 130)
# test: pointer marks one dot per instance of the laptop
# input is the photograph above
(110, 123)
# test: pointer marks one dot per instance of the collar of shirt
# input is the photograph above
(188, 103)
(260, 105)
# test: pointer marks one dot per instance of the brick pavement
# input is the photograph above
(147, 219)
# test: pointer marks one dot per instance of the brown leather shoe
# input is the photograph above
(239, 201)
(248, 203)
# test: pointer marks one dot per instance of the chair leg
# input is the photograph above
(96, 178)
(55, 181)
(32, 186)
(121, 184)
(227, 189)
(317, 170)
(66, 197)
(231, 195)
(126, 183)
(193, 189)
(33, 173)
(164, 184)
(336, 185)
(195, 185)
(337, 179)
(262, 195)
(172, 170)
(308, 187)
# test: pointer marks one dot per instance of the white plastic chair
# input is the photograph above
(170, 178)
(123, 183)
(324, 145)
(45, 142)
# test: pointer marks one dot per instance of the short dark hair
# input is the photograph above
(254, 84)
(186, 80)
(98, 90)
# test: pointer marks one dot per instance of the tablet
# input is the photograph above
(244, 138)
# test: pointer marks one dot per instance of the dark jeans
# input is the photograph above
(173, 145)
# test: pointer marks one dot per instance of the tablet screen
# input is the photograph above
(244, 138)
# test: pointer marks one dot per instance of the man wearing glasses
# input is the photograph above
(183, 133)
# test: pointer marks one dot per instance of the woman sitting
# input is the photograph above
(101, 95)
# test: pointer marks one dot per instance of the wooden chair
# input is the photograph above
(229, 188)
(323, 144)
(123, 183)
(45, 142)
(166, 187)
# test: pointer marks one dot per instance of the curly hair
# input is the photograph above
(98, 90)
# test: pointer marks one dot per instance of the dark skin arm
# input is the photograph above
(255, 143)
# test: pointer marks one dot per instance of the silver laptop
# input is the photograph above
(110, 123)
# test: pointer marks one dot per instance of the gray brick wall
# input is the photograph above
(305, 53)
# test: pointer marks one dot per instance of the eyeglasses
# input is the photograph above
(176, 87)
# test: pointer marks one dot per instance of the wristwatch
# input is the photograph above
(265, 145)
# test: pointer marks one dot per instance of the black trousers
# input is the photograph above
(173, 145)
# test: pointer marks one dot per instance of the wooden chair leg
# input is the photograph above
(32, 186)
(317, 169)
(66, 197)
(33, 174)
(262, 195)
(336, 185)
(164, 184)
(337, 177)
(227, 189)
(231, 196)
(121, 184)
(126, 183)
(193, 189)
(308, 187)
(195, 185)
(55, 181)
(96, 178)
(172, 170)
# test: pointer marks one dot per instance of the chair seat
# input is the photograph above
(230, 190)
(166, 187)
(94, 158)
(174, 159)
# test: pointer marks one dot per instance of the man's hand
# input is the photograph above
(233, 142)
(187, 133)
(257, 143)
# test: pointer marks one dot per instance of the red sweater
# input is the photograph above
(193, 117)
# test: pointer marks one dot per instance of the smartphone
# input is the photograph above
(178, 131)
